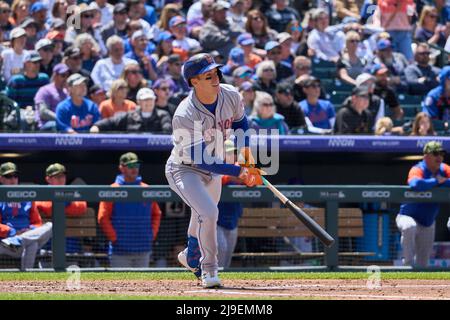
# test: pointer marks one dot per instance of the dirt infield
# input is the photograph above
(253, 289)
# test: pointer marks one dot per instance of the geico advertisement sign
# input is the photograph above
(113, 194)
(156, 194)
(21, 194)
(292, 193)
(376, 194)
(246, 194)
(418, 195)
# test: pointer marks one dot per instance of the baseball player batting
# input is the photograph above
(210, 106)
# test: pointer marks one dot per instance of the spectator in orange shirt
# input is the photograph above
(117, 102)
(56, 175)
(247, 43)
(131, 227)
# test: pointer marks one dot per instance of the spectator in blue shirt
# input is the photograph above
(437, 102)
(280, 16)
(139, 43)
(76, 113)
(23, 87)
(319, 114)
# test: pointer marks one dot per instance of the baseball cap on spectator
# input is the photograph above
(129, 158)
(83, 8)
(246, 86)
(216, 54)
(75, 79)
(32, 56)
(38, 6)
(55, 169)
(284, 87)
(72, 52)
(271, 45)
(120, 8)
(145, 93)
(309, 81)
(283, 36)
(220, 5)
(174, 57)
(57, 23)
(378, 68)
(237, 55)
(7, 168)
(383, 44)
(242, 72)
(317, 12)
(245, 39)
(433, 146)
(95, 89)
(17, 33)
(362, 78)
(94, 6)
(360, 92)
(43, 43)
(28, 22)
(60, 68)
(137, 34)
(55, 35)
(164, 36)
(174, 21)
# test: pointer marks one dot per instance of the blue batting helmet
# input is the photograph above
(199, 64)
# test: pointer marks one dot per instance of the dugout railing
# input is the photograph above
(330, 196)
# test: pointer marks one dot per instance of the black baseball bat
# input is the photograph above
(312, 225)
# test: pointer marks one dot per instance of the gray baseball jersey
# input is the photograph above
(192, 123)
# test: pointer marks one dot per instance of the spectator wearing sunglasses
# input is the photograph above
(421, 76)
(428, 29)
(48, 97)
(416, 221)
(350, 65)
(139, 43)
(118, 102)
(181, 88)
(118, 24)
(287, 107)
(21, 228)
(45, 49)
(319, 114)
(163, 90)
(266, 74)
(38, 12)
(186, 45)
(85, 15)
(283, 68)
(130, 227)
(5, 25)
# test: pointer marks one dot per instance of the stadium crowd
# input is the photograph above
(318, 67)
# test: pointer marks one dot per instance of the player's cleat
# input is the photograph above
(211, 280)
(183, 259)
(12, 243)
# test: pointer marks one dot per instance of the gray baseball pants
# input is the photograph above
(201, 192)
(32, 242)
(416, 240)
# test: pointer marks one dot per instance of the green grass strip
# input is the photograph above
(148, 276)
